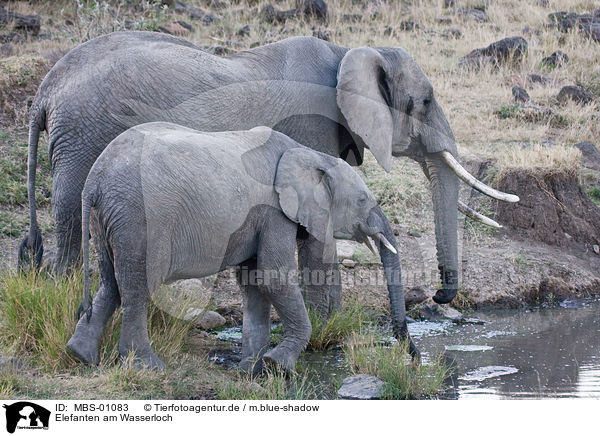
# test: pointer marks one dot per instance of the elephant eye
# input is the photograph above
(426, 101)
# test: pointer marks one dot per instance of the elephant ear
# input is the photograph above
(304, 192)
(360, 100)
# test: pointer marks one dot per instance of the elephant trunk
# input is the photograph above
(393, 274)
(444, 191)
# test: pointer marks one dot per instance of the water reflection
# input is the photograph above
(555, 353)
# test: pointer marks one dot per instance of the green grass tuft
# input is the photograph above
(39, 318)
(275, 385)
(339, 326)
(404, 379)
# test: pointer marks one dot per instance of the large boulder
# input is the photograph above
(574, 93)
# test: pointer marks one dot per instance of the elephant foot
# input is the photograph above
(280, 359)
(144, 361)
(444, 296)
(83, 349)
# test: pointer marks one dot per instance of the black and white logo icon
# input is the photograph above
(26, 415)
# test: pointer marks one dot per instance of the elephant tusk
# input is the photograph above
(468, 178)
(369, 243)
(474, 215)
(384, 241)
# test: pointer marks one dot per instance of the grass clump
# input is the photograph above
(539, 159)
(275, 385)
(13, 171)
(38, 318)
(404, 380)
(338, 327)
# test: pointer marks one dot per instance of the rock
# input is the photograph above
(345, 249)
(361, 387)
(591, 29)
(185, 25)
(539, 79)
(409, 25)
(272, 15)
(576, 94)
(322, 34)
(508, 49)
(556, 59)
(589, 154)
(440, 311)
(588, 24)
(195, 13)
(416, 295)
(312, 8)
(10, 363)
(244, 31)
(206, 320)
(477, 14)
(349, 263)
(452, 34)
(414, 233)
(520, 95)
(174, 29)
(596, 249)
(28, 23)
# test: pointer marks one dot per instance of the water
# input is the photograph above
(545, 353)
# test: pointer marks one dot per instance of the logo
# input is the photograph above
(26, 415)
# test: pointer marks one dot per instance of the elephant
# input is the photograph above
(167, 202)
(332, 99)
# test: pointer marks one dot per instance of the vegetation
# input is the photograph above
(404, 379)
(38, 320)
(339, 326)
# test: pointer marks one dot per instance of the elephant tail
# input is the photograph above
(86, 305)
(32, 244)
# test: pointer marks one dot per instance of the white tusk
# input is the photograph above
(468, 178)
(369, 243)
(385, 242)
(474, 215)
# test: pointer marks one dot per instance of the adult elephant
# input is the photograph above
(333, 99)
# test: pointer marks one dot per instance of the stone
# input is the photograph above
(508, 49)
(574, 93)
(312, 8)
(322, 34)
(452, 34)
(349, 263)
(409, 25)
(539, 79)
(27, 23)
(174, 29)
(244, 31)
(520, 95)
(556, 59)
(416, 295)
(270, 14)
(588, 24)
(436, 311)
(477, 14)
(194, 13)
(361, 387)
(345, 249)
(589, 153)
(596, 249)
(205, 319)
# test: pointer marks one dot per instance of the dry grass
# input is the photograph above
(539, 158)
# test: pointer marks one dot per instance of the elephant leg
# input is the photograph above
(130, 272)
(321, 281)
(276, 262)
(66, 207)
(256, 327)
(85, 342)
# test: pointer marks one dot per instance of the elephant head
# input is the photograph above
(389, 107)
(326, 196)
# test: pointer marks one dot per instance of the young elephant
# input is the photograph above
(166, 202)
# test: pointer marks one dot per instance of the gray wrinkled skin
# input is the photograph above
(329, 98)
(166, 202)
